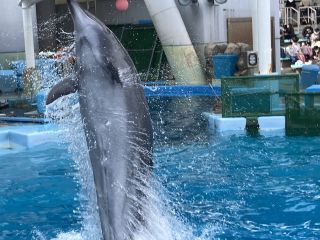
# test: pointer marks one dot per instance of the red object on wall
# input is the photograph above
(122, 5)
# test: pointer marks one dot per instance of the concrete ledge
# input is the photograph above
(230, 124)
(272, 126)
(28, 136)
(29, 140)
(272, 123)
(219, 124)
(268, 126)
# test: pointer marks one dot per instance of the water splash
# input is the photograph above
(161, 221)
(66, 113)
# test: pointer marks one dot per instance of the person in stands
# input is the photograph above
(316, 54)
(306, 50)
(291, 3)
(294, 51)
(288, 31)
(307, 31)
(315, 37)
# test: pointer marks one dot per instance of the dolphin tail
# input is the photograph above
(64, 87)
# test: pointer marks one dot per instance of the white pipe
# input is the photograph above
(255, 24)
(276, 7)
(264, 35)
(175, 41)
(168, 22)
(28, 35)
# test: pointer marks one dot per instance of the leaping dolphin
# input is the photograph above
(116, 122)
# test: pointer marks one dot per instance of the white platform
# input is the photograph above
(273, 125)
(223, 125)
(28, 136)
(268, 126)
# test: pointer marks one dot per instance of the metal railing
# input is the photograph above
(300, 16)
(308, 14)
(291, 16)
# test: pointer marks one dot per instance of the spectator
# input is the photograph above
(315, 36)
(307, 31)
(307, 51)
(316, 53)
(291, 3)
(288, 31)
(293, 50)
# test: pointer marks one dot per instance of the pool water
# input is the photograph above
(233, 187)
(245, 187)
(37, 193)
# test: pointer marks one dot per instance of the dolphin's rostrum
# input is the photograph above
(116, 123)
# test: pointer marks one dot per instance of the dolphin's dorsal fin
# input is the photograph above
(64, 87)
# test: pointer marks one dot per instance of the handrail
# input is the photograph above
(294, 16)
(289, 15)
(314, 11)
(311, 14)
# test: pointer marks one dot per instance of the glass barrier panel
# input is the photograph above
(254, 96)
(303, 114)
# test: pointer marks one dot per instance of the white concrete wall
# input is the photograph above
(275, 12)
(207, 23)
(11, 27)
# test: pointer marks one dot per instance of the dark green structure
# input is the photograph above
(144, 47)
(303, 114)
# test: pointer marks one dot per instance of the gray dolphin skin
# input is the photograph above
(116, 122)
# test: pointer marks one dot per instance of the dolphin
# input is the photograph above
(116, 122)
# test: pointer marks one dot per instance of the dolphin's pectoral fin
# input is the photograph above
(64, 87)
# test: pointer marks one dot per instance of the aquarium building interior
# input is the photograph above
(232, 88)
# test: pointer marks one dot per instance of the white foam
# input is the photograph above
(68, 236)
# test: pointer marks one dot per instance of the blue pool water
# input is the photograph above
(246, 187)
(235, 187)
(37, 193)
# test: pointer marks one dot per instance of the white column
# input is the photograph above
(264, 35)
(255, 24)
(276, 10)
(28, 34)
(175, 41)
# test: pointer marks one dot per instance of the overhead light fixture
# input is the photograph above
(187, 2)
(184, 2)
(221, 1)
(217, 1)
